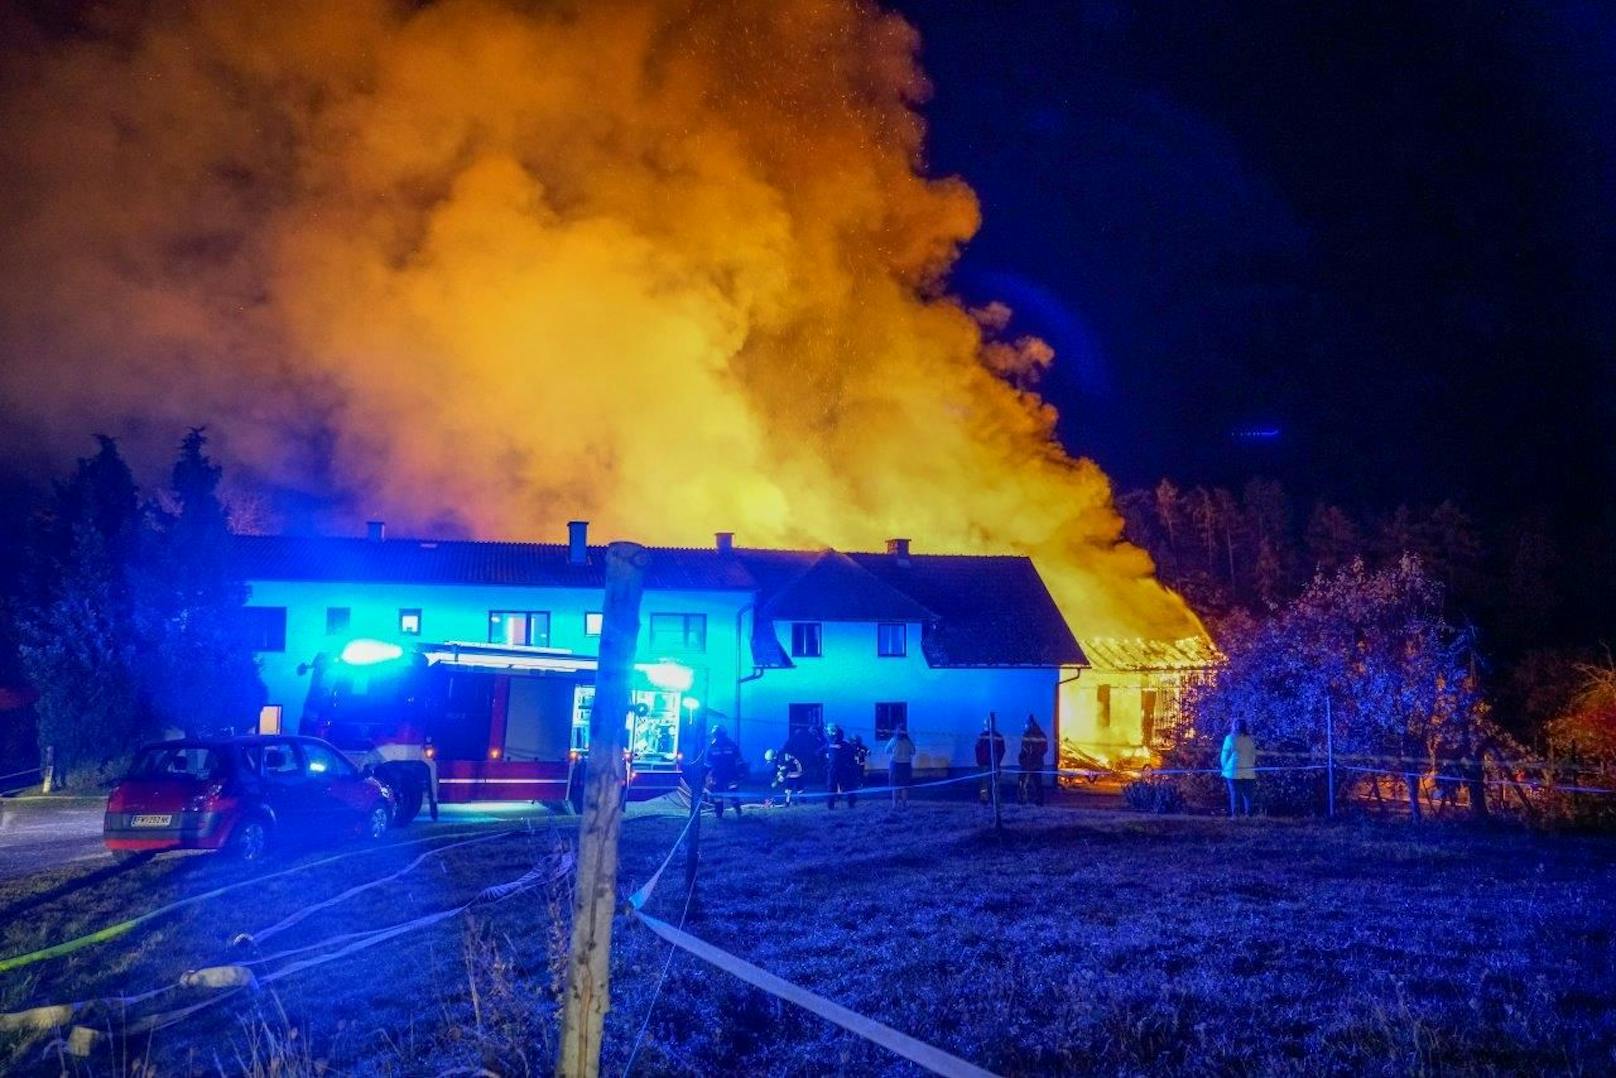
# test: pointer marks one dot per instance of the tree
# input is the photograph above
(1333, 538)
(75, 625)
(202, 676)
(1372, 646)
(1586, 728)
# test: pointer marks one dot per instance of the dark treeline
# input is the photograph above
(1522, 595)
(121, 616)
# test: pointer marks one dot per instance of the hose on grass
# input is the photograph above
(113, 931)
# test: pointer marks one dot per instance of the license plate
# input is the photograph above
(152, 821)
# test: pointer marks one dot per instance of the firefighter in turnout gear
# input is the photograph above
(724, 771)
(789, 774)
(841, 769)
(1034, 744)
(989, 755)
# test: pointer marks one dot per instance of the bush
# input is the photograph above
(1153, 795)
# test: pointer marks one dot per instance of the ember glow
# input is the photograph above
(670, 267)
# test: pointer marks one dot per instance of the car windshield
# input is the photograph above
(177, 761)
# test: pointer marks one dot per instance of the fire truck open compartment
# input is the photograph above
(498, 722)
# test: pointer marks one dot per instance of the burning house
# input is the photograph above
(1127, 701)
(485, 651)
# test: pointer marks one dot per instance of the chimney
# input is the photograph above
(899, 549)
(577, 542)
(725, 541)
(375, 530)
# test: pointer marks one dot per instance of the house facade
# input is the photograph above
(774, 640)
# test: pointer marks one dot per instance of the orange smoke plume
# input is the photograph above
(669, 266)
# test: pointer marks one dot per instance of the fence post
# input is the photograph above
(993, 768)
(697, 778)
(594, 901)
(48, 772)
(1329, 759)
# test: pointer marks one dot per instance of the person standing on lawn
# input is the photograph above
(841, 770)
(901, 758)
(1031, 758)
(989, 755)
(1239, 760)
(724, 771)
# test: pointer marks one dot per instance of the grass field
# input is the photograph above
(1081, 941)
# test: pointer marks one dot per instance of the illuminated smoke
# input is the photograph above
(671, 267)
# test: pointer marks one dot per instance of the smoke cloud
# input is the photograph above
(673, 267)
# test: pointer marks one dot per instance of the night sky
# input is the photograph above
(1384, 230)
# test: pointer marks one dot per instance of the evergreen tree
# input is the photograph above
(77, 640)
(202, 676)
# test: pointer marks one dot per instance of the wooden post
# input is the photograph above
(48, 772)
(993, 768)
(697, 777)
(594, 902)
(1329, 759)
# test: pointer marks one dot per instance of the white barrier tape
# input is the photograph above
(639, 897)
(816, 795)
(1460, 780)
(24, 771)
(292, 919)
(933, 1059)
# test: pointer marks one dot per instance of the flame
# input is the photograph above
(486, 267)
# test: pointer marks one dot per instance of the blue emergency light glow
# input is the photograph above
(669, 676)
(369, 652)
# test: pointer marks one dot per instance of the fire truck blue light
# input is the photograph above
(669, 676)
(370, 652)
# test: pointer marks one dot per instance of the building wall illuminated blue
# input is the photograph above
(775, 638)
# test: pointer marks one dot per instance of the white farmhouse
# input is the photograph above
(773, 640)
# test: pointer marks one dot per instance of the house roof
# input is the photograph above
(1188, 653)
(834, 587)
(459, 561)
(992, 610)
(974, 610)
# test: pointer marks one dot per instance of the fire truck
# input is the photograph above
(462, 722)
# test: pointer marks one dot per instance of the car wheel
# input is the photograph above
(409, 803)
(377, 823)
(250, 842)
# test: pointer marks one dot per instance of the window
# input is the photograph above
(337, 620)
(324, 763)
(891, 639)
(266, 627)
(805, 718)
(280, 763)
(592, 622)
(529, 628)
(409, 621)
(1147, 716)
(805, 640)
(683, 632)
(1102, 707)
(890, 718)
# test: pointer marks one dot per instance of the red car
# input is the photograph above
(243, 794)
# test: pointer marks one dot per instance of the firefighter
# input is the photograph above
(1034, 745)
(841, 769)
(788, 771)
(724, 771)
(989, 755)
(861, 758)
